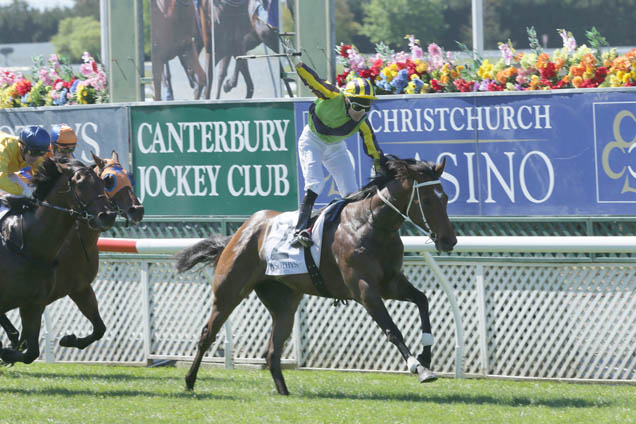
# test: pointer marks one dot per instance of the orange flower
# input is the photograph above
(577, 70)
(576, 81)
(559, 63)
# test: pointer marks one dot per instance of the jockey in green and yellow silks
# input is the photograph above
(334, 116)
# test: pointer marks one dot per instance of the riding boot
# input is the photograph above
(302, 237)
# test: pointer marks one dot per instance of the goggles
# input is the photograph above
(35, 153)
(64, 150)
(358, 107)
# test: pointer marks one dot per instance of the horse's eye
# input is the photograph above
(109, 182)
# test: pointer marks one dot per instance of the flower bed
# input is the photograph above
(435, 71)
(54, 83)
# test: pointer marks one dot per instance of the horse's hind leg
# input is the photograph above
(87, 304)
(31, 321)
(282, 302)
(401, 289)
(12, 332)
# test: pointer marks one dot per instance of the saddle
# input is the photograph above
(11, 234)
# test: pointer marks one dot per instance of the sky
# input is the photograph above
(42, 4)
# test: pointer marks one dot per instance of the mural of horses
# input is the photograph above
(361, 260)
(79, 256)
(65, 191)
(174, 31)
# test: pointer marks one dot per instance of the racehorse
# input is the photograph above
(79, 257)
(361, 259)
(174, 31)
(65, 191)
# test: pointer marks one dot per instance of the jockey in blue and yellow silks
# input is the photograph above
(16, 153)
(334, 116)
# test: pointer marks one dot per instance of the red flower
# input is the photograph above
(436, 85)
(463, 85)
(548, 71)
(68, 84)
(341, 79)
(94, 66)
(344, 50)
(23, 86)
(495, 86)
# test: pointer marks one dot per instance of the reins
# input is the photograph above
(83, 215)
(414, 189)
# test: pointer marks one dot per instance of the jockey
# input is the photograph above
(333, 117)
(63, 141)
(16, 153)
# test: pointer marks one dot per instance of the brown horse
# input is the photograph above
(174, 31)
(65, 191)
(361, 259)
(79, 257)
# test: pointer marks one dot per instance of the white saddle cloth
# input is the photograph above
(281, 257)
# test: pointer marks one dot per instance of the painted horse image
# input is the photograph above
(361, 260)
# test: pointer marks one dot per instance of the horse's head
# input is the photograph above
(68, 185)
(119, 188)
(426, 200)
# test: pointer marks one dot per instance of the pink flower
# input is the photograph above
(568, 40)
(506, 52)
(416, 50)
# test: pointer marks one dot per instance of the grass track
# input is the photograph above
(72, 393)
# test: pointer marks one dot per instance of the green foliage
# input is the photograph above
(346, 25)
(77, 35)
(597, 42)
(388, 20)
(533, 41)
(19, 23)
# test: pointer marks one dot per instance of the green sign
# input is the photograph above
(214, 159)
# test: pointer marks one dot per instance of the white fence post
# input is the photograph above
(481, 318)
(145, 295)
(48, 338)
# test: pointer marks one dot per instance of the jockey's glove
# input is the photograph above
(28, 191)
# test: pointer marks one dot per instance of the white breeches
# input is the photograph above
(313, 153)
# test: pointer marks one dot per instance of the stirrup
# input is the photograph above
(302, 238)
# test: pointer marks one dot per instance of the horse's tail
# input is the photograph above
(207, 251)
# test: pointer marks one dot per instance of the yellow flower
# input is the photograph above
(444, 79)
(577, 81)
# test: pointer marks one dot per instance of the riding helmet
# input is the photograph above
(35, 138)
(63, 136)
(360, 88)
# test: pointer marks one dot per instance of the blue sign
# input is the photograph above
(550, 153)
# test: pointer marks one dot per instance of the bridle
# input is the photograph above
(114, 169)
(414, 189)
(83, 213)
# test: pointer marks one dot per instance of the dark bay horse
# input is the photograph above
(65, 191)
(174, 32)
(361, 259)
(79, 256)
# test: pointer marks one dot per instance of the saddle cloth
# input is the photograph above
(281, 257)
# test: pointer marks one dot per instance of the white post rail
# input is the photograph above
(424, 246)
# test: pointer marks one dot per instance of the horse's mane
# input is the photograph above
(48, 173)
(394, 169)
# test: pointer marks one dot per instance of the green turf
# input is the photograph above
(64, 393)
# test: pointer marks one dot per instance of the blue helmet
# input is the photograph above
(35, 138)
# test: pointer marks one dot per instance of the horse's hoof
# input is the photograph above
(70, 340)
(425, 375)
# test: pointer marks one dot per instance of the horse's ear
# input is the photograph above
(98, 161)
(115, 156)
(439, 168)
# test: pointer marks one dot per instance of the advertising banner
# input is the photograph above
(99, 129)
(214, 159)
(549, 153)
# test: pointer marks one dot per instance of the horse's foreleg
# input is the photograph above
(87, 304)
(224, 62)
(372, 302)
(12, 332)
(401, 289)
(245, 71)
(31, 320)
(281, 302)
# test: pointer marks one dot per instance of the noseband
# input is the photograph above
(414, 189)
